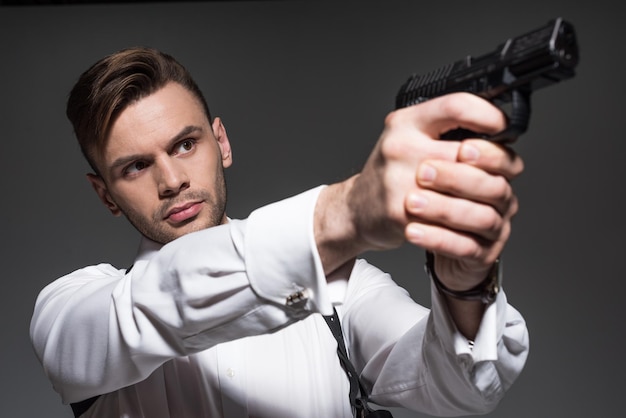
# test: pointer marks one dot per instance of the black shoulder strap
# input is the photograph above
(81, 407)
(360, 406)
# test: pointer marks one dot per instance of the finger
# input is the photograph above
(491, 157)
(407, 136)
(455, 244)
(467, 182)
(462, 215)
(459, 110)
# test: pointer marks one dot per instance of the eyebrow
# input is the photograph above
(122, 161)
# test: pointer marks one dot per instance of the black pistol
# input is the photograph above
(506, 76)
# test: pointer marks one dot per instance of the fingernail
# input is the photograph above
(427, 173)
(469, 153)
(417, 201)
(414, 232)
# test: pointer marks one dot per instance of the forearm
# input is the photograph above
(466, 314)
(433, 369)
(416, 358)
(336, 234)
(98, 329)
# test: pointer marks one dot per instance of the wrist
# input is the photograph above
(485, 291)
(335, 232)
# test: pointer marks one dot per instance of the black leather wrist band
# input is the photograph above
(486, 291)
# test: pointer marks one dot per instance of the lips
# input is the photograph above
(183, 212)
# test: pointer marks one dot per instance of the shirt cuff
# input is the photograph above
(282, 260)
(485, 345)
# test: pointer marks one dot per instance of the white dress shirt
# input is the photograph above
(226, 322)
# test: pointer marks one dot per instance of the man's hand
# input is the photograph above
(462, 210)
(449, 197)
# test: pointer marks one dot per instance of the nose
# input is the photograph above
(171, 177)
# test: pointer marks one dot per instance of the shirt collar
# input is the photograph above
(147, 248)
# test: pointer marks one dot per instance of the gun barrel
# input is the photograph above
(536, 59)
(551, 52)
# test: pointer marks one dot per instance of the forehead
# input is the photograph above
(152, 121)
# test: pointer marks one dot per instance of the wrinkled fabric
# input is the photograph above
(226, 322)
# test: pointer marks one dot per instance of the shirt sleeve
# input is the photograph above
(415, 358)
(99, 329)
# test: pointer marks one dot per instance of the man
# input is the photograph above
(220, 317)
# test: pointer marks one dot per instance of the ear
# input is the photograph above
(103, 193)
(222, 140)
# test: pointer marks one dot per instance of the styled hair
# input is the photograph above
(113, 83)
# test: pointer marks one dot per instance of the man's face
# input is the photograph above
(163, 166)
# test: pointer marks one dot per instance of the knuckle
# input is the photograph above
(454, 105)
(493, 224)
(488, 223)
(519, 167)
(394, 118)
(503, 189)
(392, 148)
(513, 206)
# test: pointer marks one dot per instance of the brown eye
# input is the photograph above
(136, 167)
(185, 146)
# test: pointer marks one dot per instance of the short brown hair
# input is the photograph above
(114, 82)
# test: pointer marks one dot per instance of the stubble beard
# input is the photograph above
(156, 229)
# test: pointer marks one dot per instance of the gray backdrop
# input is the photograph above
(303, 88)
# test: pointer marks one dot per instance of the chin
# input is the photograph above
(193, 226)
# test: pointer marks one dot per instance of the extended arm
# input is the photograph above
(98, 329)
(416, 358)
